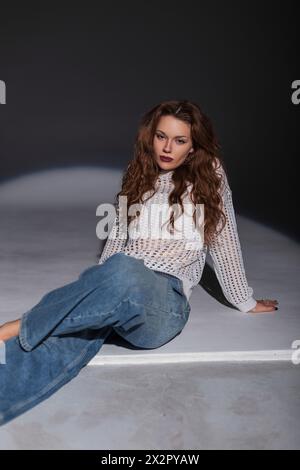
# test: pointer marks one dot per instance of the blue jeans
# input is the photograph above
(66, 329)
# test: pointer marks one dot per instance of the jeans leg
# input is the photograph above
(163, 322)
(100, 297)
(62, 333)
(27, 378)
(144, 307)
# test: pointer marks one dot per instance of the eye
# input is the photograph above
(181, 141)
(159, 136)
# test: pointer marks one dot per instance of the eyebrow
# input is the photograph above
(158, 130)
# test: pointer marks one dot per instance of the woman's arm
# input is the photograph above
(227, 256)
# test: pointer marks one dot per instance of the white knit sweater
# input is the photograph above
(175, 256)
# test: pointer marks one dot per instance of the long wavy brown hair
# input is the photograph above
(199, 169)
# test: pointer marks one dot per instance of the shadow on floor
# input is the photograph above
(211, 285)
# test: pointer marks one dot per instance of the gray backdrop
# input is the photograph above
(78, 80)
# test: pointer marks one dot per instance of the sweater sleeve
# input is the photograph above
(115, 242)
(226, 254)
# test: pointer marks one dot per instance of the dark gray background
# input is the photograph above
(80, 77)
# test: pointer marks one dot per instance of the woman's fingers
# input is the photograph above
(265, 306)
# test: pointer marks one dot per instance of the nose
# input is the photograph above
(167, 147)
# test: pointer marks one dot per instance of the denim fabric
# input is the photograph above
(68, 326)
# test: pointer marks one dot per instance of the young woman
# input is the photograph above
(141, 286)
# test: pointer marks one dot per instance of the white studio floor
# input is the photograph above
(227, 381)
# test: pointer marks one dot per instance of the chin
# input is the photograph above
(166, 166)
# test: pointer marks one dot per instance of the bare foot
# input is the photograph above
(9, 329)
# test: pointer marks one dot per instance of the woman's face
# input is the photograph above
(172, 139)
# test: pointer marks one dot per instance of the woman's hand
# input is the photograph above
(265, 306)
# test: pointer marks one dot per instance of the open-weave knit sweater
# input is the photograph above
(184, 257)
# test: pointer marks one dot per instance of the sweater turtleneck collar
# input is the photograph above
(164, 178)
(165, 174)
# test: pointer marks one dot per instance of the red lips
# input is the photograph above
(165, 159)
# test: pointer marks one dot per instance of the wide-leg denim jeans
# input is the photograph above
(68, 326)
